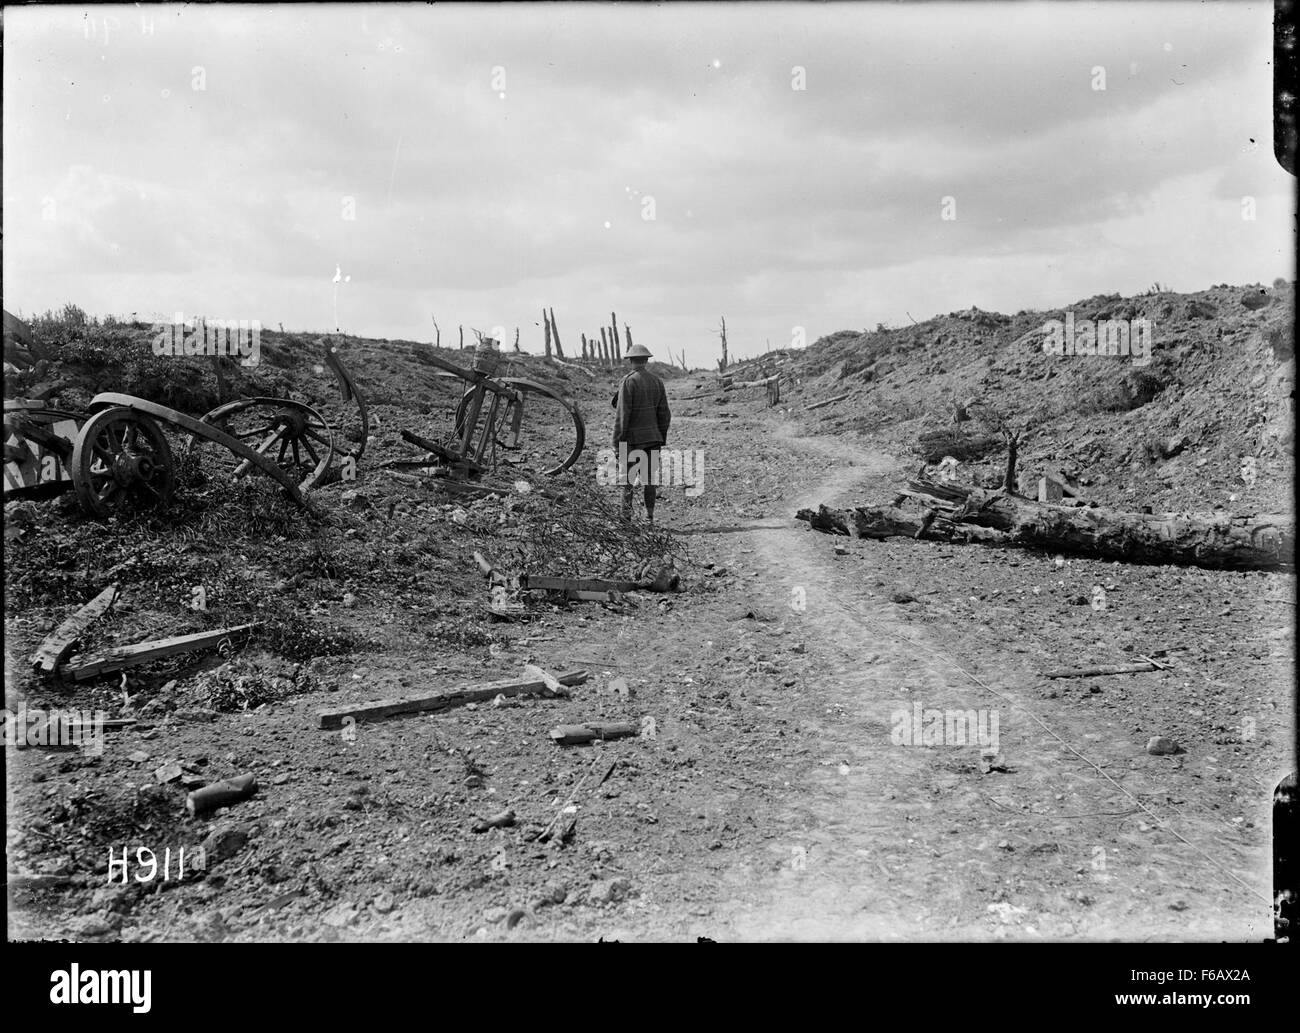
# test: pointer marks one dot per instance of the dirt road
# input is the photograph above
(1075, 833)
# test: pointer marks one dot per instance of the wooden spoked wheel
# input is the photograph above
(122, 462)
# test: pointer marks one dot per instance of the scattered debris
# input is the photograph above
(568, 810)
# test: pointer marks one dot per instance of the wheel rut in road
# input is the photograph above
(882, 840)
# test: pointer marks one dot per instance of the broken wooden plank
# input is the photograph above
(588, 731)
(474, 693)
(1097, 672)
(142, 652)
(59, 643)
(826, 401)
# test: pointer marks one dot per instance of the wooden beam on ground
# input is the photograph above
(1097, 672)
(59, 643)
(474, 693)
(827, 401)
(143, 652)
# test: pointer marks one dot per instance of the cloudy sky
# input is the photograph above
(785, 166)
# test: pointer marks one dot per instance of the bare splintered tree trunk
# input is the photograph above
(516, 338)
(627, 334)
(555, 332)
(462, 338)
(604, 347)
(1013, 447)
(546, 325)
(613, 336)
(437, 338)
(722, 364)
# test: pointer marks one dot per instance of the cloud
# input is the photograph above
(231, 157)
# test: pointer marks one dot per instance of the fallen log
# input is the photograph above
(1213, 540)
(334, 717)
(879, 522)
(59, 643)
(142, 652)
(827, 401)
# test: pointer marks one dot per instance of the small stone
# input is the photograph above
(608, 891)
(339, 915)
(1160, 745)
(902, 598)
(494, 914)
(91, 925)
(223, 842)
(553, 893)
(383, 903)
(137, 757)
(111, 898)
(1176, 444)
(349, 600)
(169, 772)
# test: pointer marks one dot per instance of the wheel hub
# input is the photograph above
(130, 467)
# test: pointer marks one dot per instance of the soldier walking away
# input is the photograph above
(641, 424)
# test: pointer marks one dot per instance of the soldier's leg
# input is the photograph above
(653, 454)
